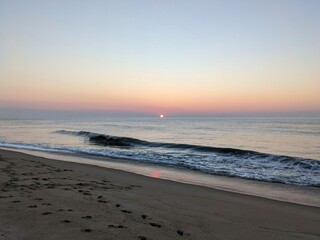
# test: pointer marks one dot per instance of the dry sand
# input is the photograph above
(48, 199)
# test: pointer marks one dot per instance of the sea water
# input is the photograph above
(284, 150)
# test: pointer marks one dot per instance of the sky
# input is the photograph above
(160, 57)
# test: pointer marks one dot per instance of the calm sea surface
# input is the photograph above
(275, 150)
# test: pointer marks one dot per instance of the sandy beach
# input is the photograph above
(48, 199)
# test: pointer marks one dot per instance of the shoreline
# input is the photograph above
(304, 195)
(52, 199)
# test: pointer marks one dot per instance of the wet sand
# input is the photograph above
(48, 199)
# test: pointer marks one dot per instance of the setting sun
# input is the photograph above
(161, 116)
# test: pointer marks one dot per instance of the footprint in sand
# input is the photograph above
(142, 238)
(155, 225)
(81, 184)
(126, 211)
(87, 217)
(180, 232)
(86, 230)
(116, 226)
(46, 204)
(66, 221)
(46, 213)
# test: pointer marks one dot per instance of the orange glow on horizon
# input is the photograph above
(192, 97)
(172, 106)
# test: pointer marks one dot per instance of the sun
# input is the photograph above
(161, 116)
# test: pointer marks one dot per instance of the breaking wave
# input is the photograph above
(108, 140)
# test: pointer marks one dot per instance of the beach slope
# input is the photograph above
(49, 199)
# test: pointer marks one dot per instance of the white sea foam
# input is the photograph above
(250, 165)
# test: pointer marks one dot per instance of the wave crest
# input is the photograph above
(105, 140)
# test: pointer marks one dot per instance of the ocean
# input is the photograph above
(282, 150)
